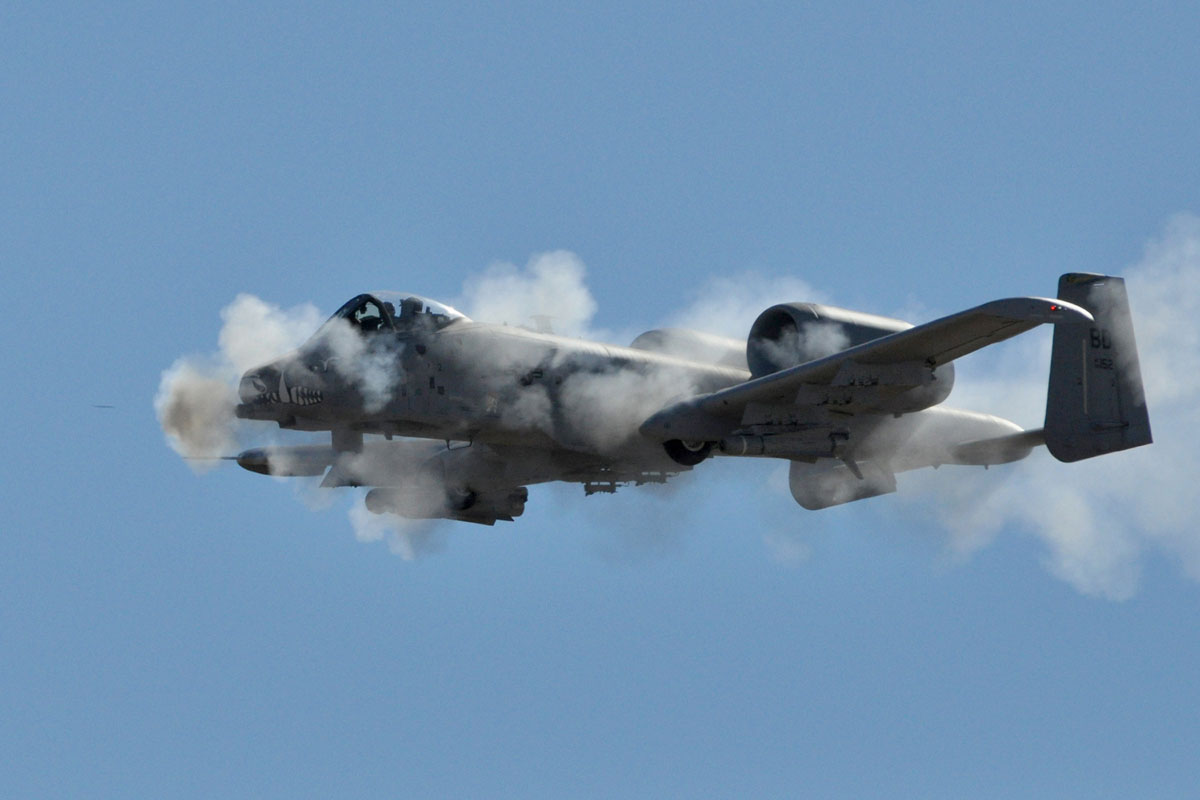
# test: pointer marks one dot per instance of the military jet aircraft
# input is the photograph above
(444, 417)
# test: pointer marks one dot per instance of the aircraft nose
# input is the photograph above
(259, 385)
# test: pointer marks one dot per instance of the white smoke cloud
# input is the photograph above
(728, 306)
(410, 539)
(255, 332)
(812, 341)
(372, 370)
(604, 410)
(823, 339)
(195, 409)
(197, 394)
(1098, 519)
(550, 288)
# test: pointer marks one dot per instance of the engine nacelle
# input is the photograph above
(790, 334)
(706, 348)
(794, 333)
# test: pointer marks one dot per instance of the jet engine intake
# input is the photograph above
(794, 333)
(791, 334)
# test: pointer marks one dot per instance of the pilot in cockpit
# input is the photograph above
(368, 317)
(414, 315)
(410, 307)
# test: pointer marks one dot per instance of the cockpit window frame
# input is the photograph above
(348, 309)
(430, 312)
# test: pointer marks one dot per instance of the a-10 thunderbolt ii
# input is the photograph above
(444, 417)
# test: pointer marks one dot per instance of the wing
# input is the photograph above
(907, 355)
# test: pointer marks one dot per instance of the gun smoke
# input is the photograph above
(197, 394)
(1097, 520)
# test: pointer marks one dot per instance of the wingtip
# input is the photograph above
(1047, 310)
(1061, 311)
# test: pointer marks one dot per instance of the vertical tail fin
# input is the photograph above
(1095, 403)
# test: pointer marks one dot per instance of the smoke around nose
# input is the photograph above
(197, 394)
(255, 332)
(195, 409)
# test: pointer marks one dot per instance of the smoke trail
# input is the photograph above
(812, 341)
(1098, 519)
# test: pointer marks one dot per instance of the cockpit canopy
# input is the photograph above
(371, 313)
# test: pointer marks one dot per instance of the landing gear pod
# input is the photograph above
(831, 483)
(462, 504)
(687, 453)
(1095, 403)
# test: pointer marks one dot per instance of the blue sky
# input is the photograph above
(1028, 631)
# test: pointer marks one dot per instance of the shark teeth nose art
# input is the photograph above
(302, 395)
(298, 395)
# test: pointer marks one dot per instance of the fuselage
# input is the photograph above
(408, 370)
(848, 398)
(457, 380)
